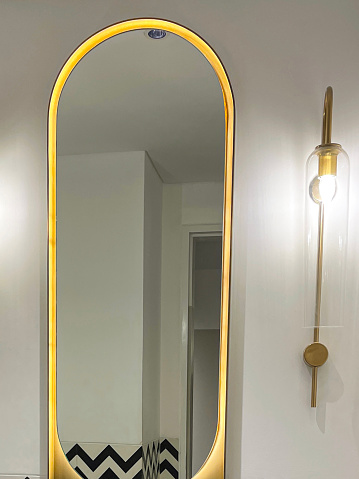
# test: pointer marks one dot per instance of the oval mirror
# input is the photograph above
(140, 175)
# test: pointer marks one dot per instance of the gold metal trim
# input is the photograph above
(213, 467)
(328, 159)
(328, 151)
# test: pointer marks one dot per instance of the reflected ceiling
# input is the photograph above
(132, 93)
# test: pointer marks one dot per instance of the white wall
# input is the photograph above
(152, 241)
(170, 311)
(279, 58)
(109, 266)
(100, 226)
(202, 203)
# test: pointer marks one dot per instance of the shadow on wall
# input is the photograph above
(331, 390)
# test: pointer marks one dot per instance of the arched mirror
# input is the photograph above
(140, 205)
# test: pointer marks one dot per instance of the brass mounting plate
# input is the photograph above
(315, 355)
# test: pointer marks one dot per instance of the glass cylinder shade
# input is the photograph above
(327, 190)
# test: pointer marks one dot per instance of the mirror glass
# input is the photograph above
(140, 171)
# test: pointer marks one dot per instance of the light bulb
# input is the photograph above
(323, 188)
(327, 188)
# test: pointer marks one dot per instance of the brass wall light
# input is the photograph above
(327, 188)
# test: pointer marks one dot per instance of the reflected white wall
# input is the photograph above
(152, 252)
(100, 294)
(108, 302)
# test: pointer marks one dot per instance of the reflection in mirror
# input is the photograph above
(205, 313)
(140, 172)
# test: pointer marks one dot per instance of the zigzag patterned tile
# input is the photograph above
(106, 464)
(169, 458)
(151, 460)
(109, 469)
(166, 456)
(108, 451)
(167, 470)
(158, 459)
(80, 473)
(108, 474)
(166, 445)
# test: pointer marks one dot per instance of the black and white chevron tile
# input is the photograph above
(151, 460)
(96, 461)
(169, 458)
(156, 460)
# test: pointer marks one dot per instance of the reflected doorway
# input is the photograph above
(204, 317)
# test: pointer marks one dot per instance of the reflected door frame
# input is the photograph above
(189, 232)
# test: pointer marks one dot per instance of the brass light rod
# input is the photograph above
(316, 354)
(318, 298)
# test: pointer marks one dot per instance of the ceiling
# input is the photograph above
(132, 93)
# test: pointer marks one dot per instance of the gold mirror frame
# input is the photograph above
(213, 467)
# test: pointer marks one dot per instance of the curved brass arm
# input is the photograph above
(327, 117)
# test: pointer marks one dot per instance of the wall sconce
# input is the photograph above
(327, 189)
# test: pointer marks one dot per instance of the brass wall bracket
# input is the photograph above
(315, 355)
